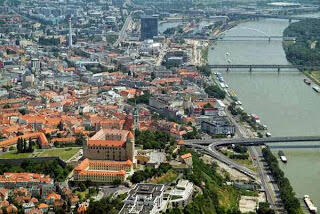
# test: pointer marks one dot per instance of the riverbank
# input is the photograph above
(305, 50)
(283, 102)
(314, 76)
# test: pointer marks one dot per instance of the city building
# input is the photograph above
(149, 27)
(13, 180)
(110, 144)
(145, 199)
(187, 159)
(181, 194)
(102, 170)
(222, 126)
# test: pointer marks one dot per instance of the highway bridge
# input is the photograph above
(239, 38)
(253, 141)
(271, 66)
(209, 147)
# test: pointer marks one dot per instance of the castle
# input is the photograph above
(109, 155)
(110, 144)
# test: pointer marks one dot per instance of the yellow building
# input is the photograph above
(102, 170)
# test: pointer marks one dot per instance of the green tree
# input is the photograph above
(264, 208)
(24, 146)
(60, 126)
(30, 148)
(20, 145)
(116, 182)
(215, 91)
(80, 139)
(23, 111)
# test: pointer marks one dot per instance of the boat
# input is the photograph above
(268, 134)
(316, 88)
(283, 158)
(306, 81)
(233, 95)
(309, 203)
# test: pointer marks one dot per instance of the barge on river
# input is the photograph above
(310, 205)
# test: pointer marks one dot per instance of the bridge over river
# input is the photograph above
(209, 147)
(254, 141)
(274, 66)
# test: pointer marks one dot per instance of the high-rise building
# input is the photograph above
(70, 33)
(149, 27)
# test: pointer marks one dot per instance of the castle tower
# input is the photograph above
(130, 146)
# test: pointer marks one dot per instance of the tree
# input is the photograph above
(20, 145)
(60, 126)
(240, 149)
(153, 75)
(116, 182)
(23, 111)
(82, 186)
(59, 210)
(205, 70)
(7, 106)
(30, 149)
(215, 91)
(208, 105)
(24, 145)
(264, 208)
(80, 139)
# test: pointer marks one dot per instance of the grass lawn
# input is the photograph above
(13, 154)
(168, 177)
(63, 153)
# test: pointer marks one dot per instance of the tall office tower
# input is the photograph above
(70, 33)
(149, 27)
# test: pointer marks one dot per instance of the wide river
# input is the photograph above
(282, 101)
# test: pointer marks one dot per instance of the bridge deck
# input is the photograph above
(255, 141)
(262, 66)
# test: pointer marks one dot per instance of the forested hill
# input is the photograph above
(306, 49)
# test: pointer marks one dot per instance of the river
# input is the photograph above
(282, 101)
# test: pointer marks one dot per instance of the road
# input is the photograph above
(123, 31)
(263, 176)
(265, 181)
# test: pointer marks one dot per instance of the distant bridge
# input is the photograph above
(254, 141)
(262, 66)
(239, 38)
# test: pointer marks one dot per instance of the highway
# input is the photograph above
(123, 32)
(210, 150)
(261, 177)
